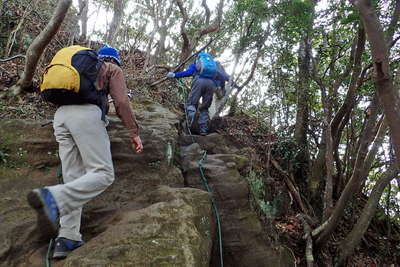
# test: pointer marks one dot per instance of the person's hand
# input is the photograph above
(170, 75)
(137, 144)
(234, 85)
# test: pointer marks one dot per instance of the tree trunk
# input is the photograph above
(83, 11)
(303, 93)
(303, 100)
(328, 194)
(302, 114)
(38, 45)
(348, 245)
(116, 22)
(382, 78)
(357, 79)
(352, 186)
(318, 169)
(149, 47)
(164, 22)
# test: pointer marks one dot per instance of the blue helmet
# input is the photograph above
(109, 52)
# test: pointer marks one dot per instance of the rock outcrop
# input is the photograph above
(244, 242)
(157, 212)
(146, 218)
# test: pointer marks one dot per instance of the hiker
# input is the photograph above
(205, 80)
(84, 145)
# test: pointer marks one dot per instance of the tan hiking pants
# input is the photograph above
(87, 168)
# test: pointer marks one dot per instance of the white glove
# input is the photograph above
(170, 75)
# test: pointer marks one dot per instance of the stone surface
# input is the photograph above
(244, 241)
(174, 231)
(146, 209)
(158, 211)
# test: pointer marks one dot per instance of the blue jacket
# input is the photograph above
(192, 71)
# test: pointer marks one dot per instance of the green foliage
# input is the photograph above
(295, 19)
(4, 156)
(257, 190)
(245, 22)
(351, 16)
(256, 185)
(11, 158)
(5, 150)
(287, 150)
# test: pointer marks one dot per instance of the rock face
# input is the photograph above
(244, 242)
(174, 231)
(146, 218)
(155, 214)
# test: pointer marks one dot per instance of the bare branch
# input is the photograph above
(393, 22)
(185, 37)
(207, 10)
(190, 43)
(252, 71)
(13, 57)
(290, 183)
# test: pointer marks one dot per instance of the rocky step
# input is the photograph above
(243, 239)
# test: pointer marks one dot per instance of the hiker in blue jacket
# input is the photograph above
(206, 78)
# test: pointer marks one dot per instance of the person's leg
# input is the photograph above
(69, 236)
(72, 168)
(193, 100)
(91, 138)
(208, 89)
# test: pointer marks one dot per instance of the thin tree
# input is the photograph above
(116, 22)
(382, 78)
(83, 17)
(348, 245)
(38, 45)
(190, 41)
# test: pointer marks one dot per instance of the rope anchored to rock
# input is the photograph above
(205, 182)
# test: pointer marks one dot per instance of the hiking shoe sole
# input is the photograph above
(60, 255)
(47, 227)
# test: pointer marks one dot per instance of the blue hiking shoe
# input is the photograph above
(48, 215)
(64, 246)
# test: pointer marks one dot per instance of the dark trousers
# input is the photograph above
(201, 88)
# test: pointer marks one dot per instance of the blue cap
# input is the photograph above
(109, 52)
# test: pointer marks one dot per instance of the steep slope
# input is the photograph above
(155, 213)
(244, 242)
(146, 218)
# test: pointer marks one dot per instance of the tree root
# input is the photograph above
(309, 245)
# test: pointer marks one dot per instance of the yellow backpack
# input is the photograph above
(70, 78)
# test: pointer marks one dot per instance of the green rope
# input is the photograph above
(214, 205)
(58, 180)
(205, 183)
(48, 262)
